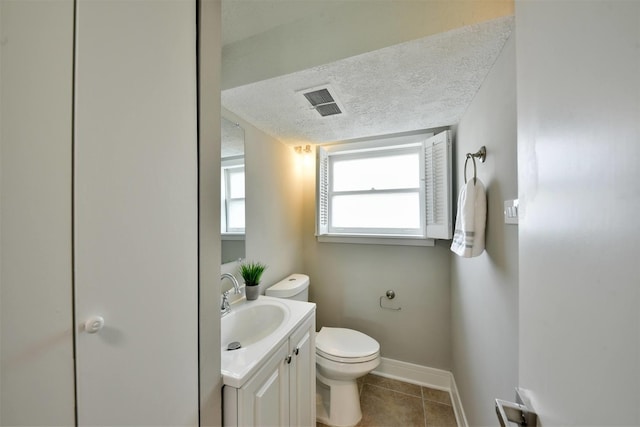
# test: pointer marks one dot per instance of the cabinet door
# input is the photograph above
(264, 400)
(302, 382)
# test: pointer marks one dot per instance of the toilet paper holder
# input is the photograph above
(518, 412)
(390, 294)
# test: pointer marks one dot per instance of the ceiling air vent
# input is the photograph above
(322, 101)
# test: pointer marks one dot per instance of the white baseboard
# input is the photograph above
(461, 418)
(424, 376)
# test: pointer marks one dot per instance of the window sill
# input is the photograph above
(232, 236)
(375, 240)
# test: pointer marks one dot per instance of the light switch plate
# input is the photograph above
(511, 211)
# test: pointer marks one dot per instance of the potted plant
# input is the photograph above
(251, 272)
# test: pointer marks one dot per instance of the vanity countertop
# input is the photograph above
(239, 365)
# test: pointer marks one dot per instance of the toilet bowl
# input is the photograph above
(342, 356)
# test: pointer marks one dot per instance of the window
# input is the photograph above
(392, 188)
(232, 203)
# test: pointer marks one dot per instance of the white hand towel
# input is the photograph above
(468, 237)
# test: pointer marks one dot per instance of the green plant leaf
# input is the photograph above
(251, 272)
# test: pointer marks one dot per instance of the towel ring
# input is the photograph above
(480, 154)
(470, 156)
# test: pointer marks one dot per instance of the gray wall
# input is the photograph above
(347, 281)
(484, 290)
(578, 156)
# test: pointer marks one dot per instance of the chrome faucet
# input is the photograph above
(236, 285)
(225, 307)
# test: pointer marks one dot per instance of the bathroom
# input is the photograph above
(485, 320)
(430, 283)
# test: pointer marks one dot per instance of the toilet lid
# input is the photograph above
(343, 342)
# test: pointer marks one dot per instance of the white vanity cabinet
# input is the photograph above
(282, 391)
(302, 375)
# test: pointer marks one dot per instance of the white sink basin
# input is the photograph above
(251, 322)
(260, 326)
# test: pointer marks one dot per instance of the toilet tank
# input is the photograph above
(295, 286)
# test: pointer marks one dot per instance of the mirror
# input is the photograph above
(232, 192)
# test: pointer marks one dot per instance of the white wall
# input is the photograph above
(578, 83)
(36, 336)
(484, 290)
(273, 179)
(347, 281)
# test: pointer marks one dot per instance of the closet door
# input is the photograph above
(135, 205)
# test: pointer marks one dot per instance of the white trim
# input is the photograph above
(232, 162)
(457, 404)
(232, 236)
(414, 374)
(424, 376)
(375, 240)
(376, 142)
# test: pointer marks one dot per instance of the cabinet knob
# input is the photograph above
(288, 359)
(296, 351)
(93, 324)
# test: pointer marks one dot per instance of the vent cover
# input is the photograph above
(318, 97)
(323, 102)
(328, 109)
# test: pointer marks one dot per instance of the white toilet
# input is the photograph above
(342, 356)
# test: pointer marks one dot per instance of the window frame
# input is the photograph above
(415, 148)
(228, 166)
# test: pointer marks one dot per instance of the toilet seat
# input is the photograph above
(346, 359)
(346, 345)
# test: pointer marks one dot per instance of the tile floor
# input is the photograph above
(386, 402)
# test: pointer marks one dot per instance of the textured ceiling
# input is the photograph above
(420, 84)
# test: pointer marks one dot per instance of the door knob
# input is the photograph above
(93, 324)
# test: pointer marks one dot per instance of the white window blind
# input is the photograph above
(322, 193)
(438, 194)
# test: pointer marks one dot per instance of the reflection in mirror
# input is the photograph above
(232, 191)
